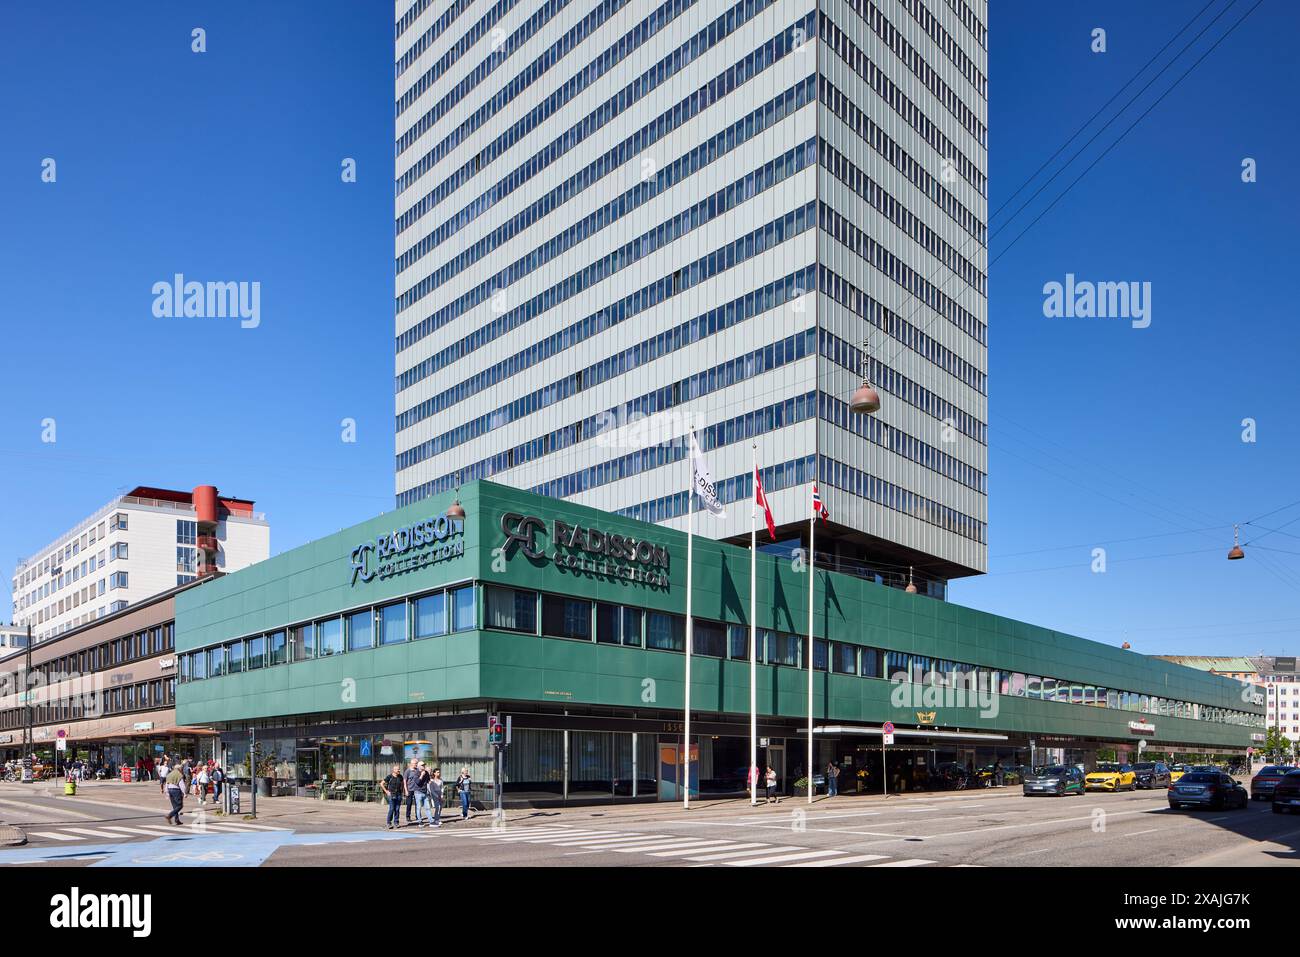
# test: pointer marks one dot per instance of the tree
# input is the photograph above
(1277, 746)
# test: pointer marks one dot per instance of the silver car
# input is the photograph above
(1211, 789)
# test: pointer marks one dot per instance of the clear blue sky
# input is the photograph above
(225, 166)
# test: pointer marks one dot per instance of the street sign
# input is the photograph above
(889, 738)
(888, 727)
(61, 744)
(232, 798)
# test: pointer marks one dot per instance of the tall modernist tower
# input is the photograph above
(615, 209)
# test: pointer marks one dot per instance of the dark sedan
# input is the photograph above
(1263, 783)
(1057, 781)
(1286, 795)
(1152, 774)
(1211, 789)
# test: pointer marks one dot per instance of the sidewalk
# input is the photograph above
(299, 811)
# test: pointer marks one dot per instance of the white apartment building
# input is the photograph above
(139, 544)
(722, 212)
(12, 638)
(1279, 677)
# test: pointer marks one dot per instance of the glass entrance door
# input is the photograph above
(776, 758)
(672, 774)
(308, 764)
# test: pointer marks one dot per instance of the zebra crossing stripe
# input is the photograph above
(783, 858)
(836, 862)
(523, 832)
(719, 845)
(138, 829)
(91, 832)
(54, 836)
(529, 839)
(763, 849)
(611, 841)
(912, 862)
(662, 846)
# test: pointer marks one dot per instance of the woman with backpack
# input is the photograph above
(463, 786)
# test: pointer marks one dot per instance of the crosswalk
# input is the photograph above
(696, 851)
(102, 831)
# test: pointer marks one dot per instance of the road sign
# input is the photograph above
(889, 738)
(232, 798)
(61, 744)
(888, 727)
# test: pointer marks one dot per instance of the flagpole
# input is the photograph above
(812, 564)
(753, 638)
(690, 624)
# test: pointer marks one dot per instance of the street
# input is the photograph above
(113, 825)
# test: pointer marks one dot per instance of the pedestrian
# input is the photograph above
(218, 776)
(435, 795)
(394, 787)
(163, 770)
(202, 779)
(769, 779)
(463, 787)
(409, 780)
(422, 796)
(999, 778)
(175, 786)
(832, 779)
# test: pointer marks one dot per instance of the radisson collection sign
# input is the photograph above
(587, 549)
(408, 549)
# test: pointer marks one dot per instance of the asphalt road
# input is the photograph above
(992, 828)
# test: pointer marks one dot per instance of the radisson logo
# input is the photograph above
(408, 548)
(584, 548)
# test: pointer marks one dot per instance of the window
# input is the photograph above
(234, 657)
(783, 649)
(462, 608)
(392, 623)
(431, 615)
(216, 662)
(665, 632)
(304, 642)
(186, 531)
(116, 550)
(119, 521)
(709, 638)
(255, 649)
(618, 625)
(187, 562)
(820, 654)
(738, 642)
(329, 637)
(566, 617)
(117, 580)
(511, 609)
(361, 630)
(870, 663)
(276, 648)
(844, 658)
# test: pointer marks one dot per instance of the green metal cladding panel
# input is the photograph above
(315, 581)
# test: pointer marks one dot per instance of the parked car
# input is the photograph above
(1057, 780)
(1152, 774)
(1212, 789)
(1286, 794)
(1110, 776)
(1263, 783)
(1176, 771)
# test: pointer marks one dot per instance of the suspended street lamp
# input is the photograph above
(1235, 552)
(911, 587)
(865, 400)
(456, 511)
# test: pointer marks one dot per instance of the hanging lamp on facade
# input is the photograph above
(911, 586)
(1235, 552)
(865, 400)
(456, 511)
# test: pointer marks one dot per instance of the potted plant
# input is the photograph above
(801, 787)
(263, 771)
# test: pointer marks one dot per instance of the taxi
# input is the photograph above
(1110, 776)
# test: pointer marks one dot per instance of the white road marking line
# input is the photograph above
(531, 839)
(249, 824)
(783, 858)
(838, 861)
(613, 841)
(912, 862)
(92, 832)
(763, 849)
(1150, 830)
(54, 836)
(661, 846)
(696, 850)
(521, 831)
(140, 829)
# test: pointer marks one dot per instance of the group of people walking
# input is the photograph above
(422, 789)
(178, 777)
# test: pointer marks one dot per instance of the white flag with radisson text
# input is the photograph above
(702, 481)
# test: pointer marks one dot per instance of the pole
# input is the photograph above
(753, 640)
(252, 766)
(690, 623)
(28, 739)
(884, 770)
(812, 566)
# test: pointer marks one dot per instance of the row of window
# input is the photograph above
(910, 57)
(842, 229)
(621, 102)
(562, 616)
(417, 8)
(734, 489)
(109, 654)
(622, 205)
(863, 485)
(471, 37)
(865, 67)
(56, 559)
(141, 696)
(945, 42)
(428, 616)
(499, 101)
(864, 187)
(869, 132)
(886, 379)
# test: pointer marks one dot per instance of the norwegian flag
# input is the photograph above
(819, 510)
(760, 499)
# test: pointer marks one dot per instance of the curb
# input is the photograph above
(12, 836)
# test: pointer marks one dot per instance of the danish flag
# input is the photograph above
(760, 499)
(819, 510)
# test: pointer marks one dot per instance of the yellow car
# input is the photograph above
(1111, 777)
(1176, 771)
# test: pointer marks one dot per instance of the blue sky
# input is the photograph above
(225, 166)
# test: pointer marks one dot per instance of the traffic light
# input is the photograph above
(496, 733)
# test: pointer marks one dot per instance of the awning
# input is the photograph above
(908, 732)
